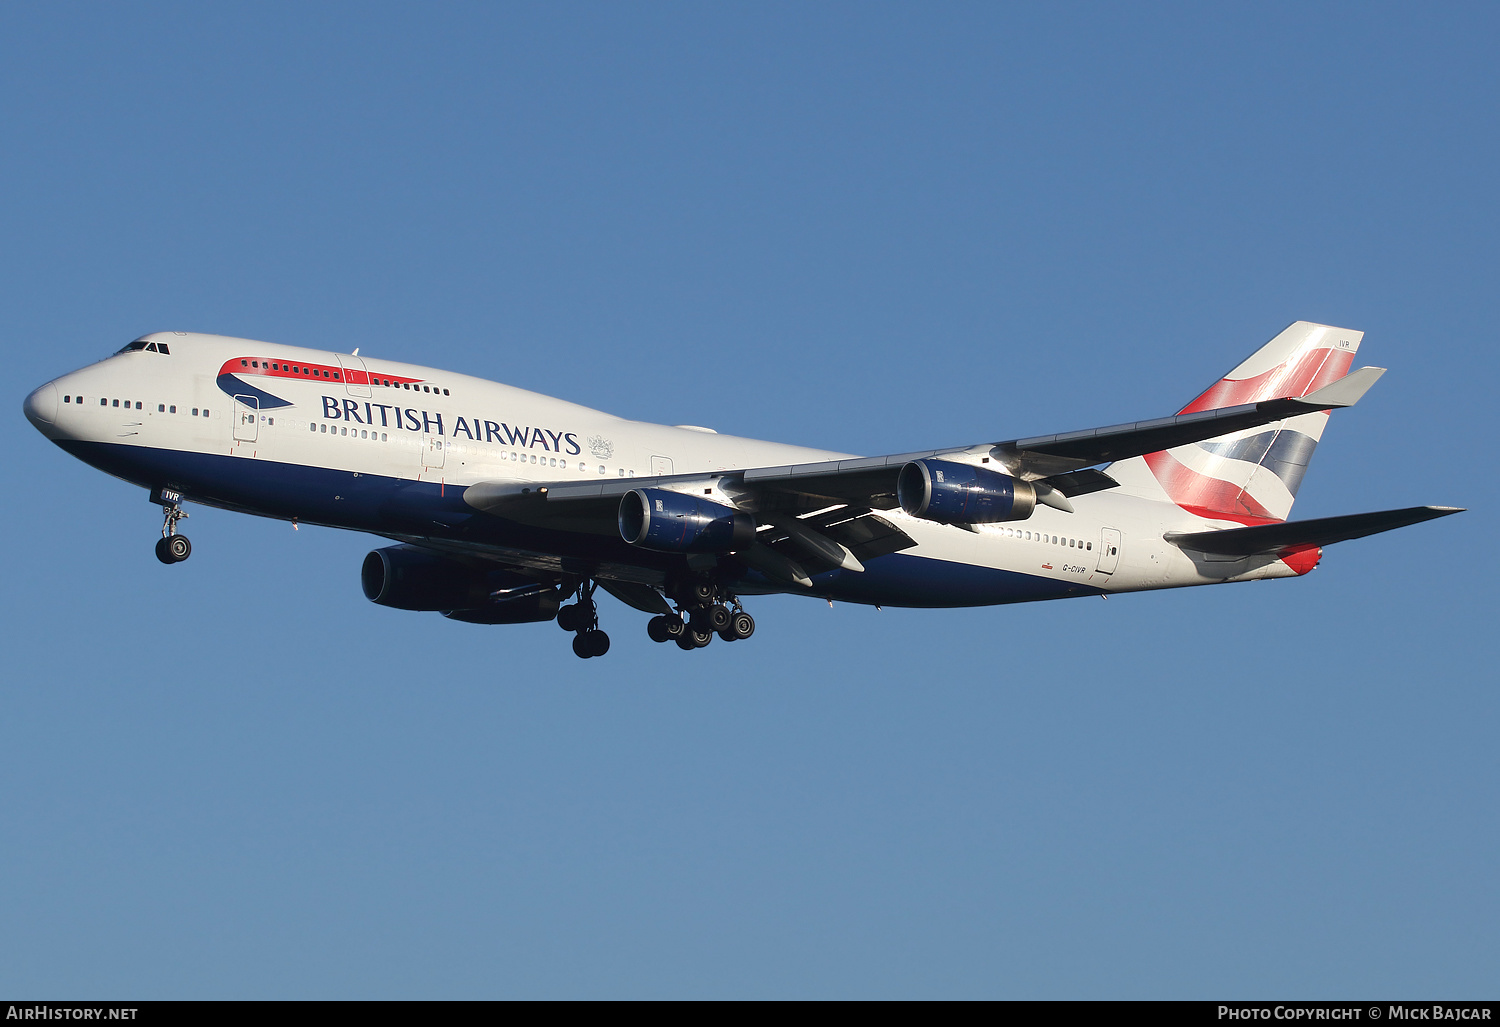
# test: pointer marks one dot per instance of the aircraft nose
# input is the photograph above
(41, 405)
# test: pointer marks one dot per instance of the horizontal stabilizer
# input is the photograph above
(1322, 531)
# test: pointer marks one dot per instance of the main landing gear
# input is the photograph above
(171, 547)
(707, 616)
(582, 618)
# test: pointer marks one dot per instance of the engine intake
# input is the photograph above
(671, 522)
(954, 493)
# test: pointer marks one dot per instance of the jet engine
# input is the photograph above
(671, 522)
(409, 578)
(953, 493)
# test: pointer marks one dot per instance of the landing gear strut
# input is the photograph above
(582, 618)
(171, 547)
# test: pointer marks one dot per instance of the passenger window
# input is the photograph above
(343, 431)
(1090, 547)
(382, 436)
(195, 411)
(117, 402)
(335, 374)
(161, 408)
(67, 399)
(244, 363)
(445, 392)
(103, 402)
(137, 404)
(172, 409)
(323, 428)
(312, 427)
(270, 420)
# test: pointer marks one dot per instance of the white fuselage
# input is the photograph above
(311, 429)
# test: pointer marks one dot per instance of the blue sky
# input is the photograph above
(868, 227)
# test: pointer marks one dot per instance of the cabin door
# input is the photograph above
(246, 418)
(1109, 550)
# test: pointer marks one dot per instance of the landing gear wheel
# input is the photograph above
(598, 642)
(588, 644)
(685, 643)
(742, 625)
(570, 618)
(173, 549)
(664, 628)
(700, 638)
(703, 592)
(717, 617)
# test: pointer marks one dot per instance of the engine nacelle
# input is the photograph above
(409, 578)
(526, 610)
(953, 493)
(671, 522)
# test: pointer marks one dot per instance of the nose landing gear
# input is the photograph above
(171, 547)
(582, 618)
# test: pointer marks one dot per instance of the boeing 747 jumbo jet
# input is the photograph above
(506, 504)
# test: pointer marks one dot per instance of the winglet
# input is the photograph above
(1345, 392)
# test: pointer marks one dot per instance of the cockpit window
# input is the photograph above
(142, 344)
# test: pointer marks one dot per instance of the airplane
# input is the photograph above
(507, 506)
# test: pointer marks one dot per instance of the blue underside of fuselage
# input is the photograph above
(399, 506)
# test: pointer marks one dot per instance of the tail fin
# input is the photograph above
(1251, 476)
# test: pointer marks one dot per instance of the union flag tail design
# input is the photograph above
(1251, 476)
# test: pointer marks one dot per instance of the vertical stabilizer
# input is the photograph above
(1251, 476)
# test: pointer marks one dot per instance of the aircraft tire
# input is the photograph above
(685, 642)
(700, 639)
(598, 642)
(657, 630)
(717, 618)
(581, 647)
(173, 549)
(741, 625)
(568, 618)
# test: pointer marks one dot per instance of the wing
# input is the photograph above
(1060, 462)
